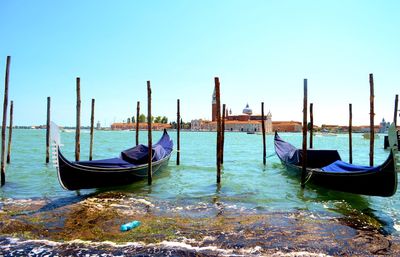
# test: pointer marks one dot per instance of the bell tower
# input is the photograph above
(214, 107)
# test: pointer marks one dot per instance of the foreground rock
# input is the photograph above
(88, 225)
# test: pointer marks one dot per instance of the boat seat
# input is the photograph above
(319, 158)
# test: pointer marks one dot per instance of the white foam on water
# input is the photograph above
(181, 245)
(299, 254)
(396, 226)
(171, 245)
(143, 201)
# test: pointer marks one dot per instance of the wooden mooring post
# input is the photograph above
(304, 158)
(178, 128)
(137, 122)
(10, 128)
(218, 114)
(4, 124)
(396, 109)
(48, 130)
(371, 120)
(91, 131)
(311, 125)
(149, 138)
(263, 134)
(223, 133)
(78, 120)
(350, 133)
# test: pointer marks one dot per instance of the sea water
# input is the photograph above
(246, 183)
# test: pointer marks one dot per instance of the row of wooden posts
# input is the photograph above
(78, 125)
(371, 127)
(221, 130)
(220, 127)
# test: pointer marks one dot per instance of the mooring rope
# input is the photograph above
(270, 155)
(309, 175)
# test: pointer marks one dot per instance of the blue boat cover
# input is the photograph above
(341, 166)
(291, 155)
(107, 163)
(139, 154)
(287, 152)
(136, 155)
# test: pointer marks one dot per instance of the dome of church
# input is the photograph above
(247, 110)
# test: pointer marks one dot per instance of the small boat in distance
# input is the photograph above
(130, 167)
(325, 168)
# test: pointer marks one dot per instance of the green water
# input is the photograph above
(246, 183)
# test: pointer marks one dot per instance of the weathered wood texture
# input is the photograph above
(78, 120)
(149, 138)
(371, 120)
(178, 129)
(10, 128)
(4, 124)
(48, 130)
(350, 133)
(396, 109)
(304, 164)
(311, 125)
(218, 114)
(137, 122)
(223, 133)
(263, 134)
(91, 131)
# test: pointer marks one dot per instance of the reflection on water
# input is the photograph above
(246, 183)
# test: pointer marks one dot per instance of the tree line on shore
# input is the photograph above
(158, 119)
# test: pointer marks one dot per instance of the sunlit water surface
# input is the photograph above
(247, 184)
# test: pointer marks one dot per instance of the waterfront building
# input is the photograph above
(384, 126)
(245, 122)
(287, 126)
(142, 126)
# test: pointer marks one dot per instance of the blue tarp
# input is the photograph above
(107, 163)
(341, 166)
(139, 154)
(136, 155)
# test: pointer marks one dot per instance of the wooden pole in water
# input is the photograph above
(91, 131)
(10, 132)
(137, 122)
(78, 120)
(4, 124)
(218, 114)
(396, 106)
(178, 128)
(371, 123)
(350, 133)
(311, 125)
(223, 133)
(149, 138)
(48, 130)
(304, 159)
(263, 134)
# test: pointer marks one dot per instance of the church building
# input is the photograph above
(244, 122)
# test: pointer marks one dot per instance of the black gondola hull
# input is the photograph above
(75, 177)
(382, 182)
(130, 167)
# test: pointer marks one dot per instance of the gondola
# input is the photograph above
(325, 168)
(130, 167)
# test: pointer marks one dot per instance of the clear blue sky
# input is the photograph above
(261, 50)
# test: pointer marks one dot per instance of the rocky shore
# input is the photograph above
(90, 226)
